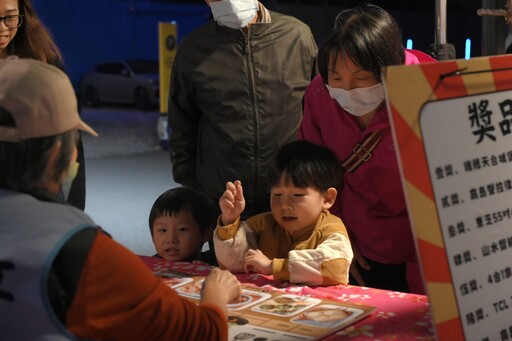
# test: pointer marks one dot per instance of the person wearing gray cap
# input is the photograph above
(61, 276)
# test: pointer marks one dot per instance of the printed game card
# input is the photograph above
(248, 298)
(327, 316)
(172, 279)
(258, 333)
(286, 305)
(192, 290)
(262, 314)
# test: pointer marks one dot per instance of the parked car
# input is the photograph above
(123, 81)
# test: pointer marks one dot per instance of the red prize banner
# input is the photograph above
(451, 123)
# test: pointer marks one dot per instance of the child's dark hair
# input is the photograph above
(305, 164)
(175, 200)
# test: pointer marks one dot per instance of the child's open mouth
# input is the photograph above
(287, 219)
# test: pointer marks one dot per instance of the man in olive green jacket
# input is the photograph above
(236, 96)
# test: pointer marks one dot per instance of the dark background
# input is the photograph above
(90, 31)
(96, 30)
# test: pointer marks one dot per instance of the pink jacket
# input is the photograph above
(372, 203)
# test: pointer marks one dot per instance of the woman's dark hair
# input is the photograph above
(25, 163)
(304, 164)
(33, 40)
(368, 35)
(175, 200)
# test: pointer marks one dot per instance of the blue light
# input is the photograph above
(468, 49)
(409, 44)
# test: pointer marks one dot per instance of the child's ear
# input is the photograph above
(207, 234)
(329, 197)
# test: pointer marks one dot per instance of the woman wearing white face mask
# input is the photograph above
(343, 108)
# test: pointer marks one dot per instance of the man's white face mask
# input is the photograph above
(234, 14)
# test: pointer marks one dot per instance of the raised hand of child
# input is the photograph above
(256, 261)
(232, 202)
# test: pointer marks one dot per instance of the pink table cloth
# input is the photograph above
(399, 316)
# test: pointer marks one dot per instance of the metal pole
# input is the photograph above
(440, 22)
(441, 50)
(493, 29)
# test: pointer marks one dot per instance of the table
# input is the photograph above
(399, 316)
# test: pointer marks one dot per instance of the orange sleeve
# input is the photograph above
(118, 298)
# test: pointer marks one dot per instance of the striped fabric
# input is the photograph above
(362, 151)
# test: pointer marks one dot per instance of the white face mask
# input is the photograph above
(68, 180)
(360, 101)
(234, 14)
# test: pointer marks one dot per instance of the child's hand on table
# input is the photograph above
(256, 261)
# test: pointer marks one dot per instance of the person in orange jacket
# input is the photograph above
(61, 276)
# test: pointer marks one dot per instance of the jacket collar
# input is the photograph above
(43, 195)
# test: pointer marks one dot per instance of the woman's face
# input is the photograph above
(347, 75)
(7, 8)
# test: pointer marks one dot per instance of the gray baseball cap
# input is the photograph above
(40, 98)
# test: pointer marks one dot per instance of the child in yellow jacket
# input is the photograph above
(299, 240)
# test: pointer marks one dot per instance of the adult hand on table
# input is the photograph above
(220, 288)
(358, 259)
(256, 261)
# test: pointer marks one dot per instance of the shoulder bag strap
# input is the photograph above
(362, 151)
